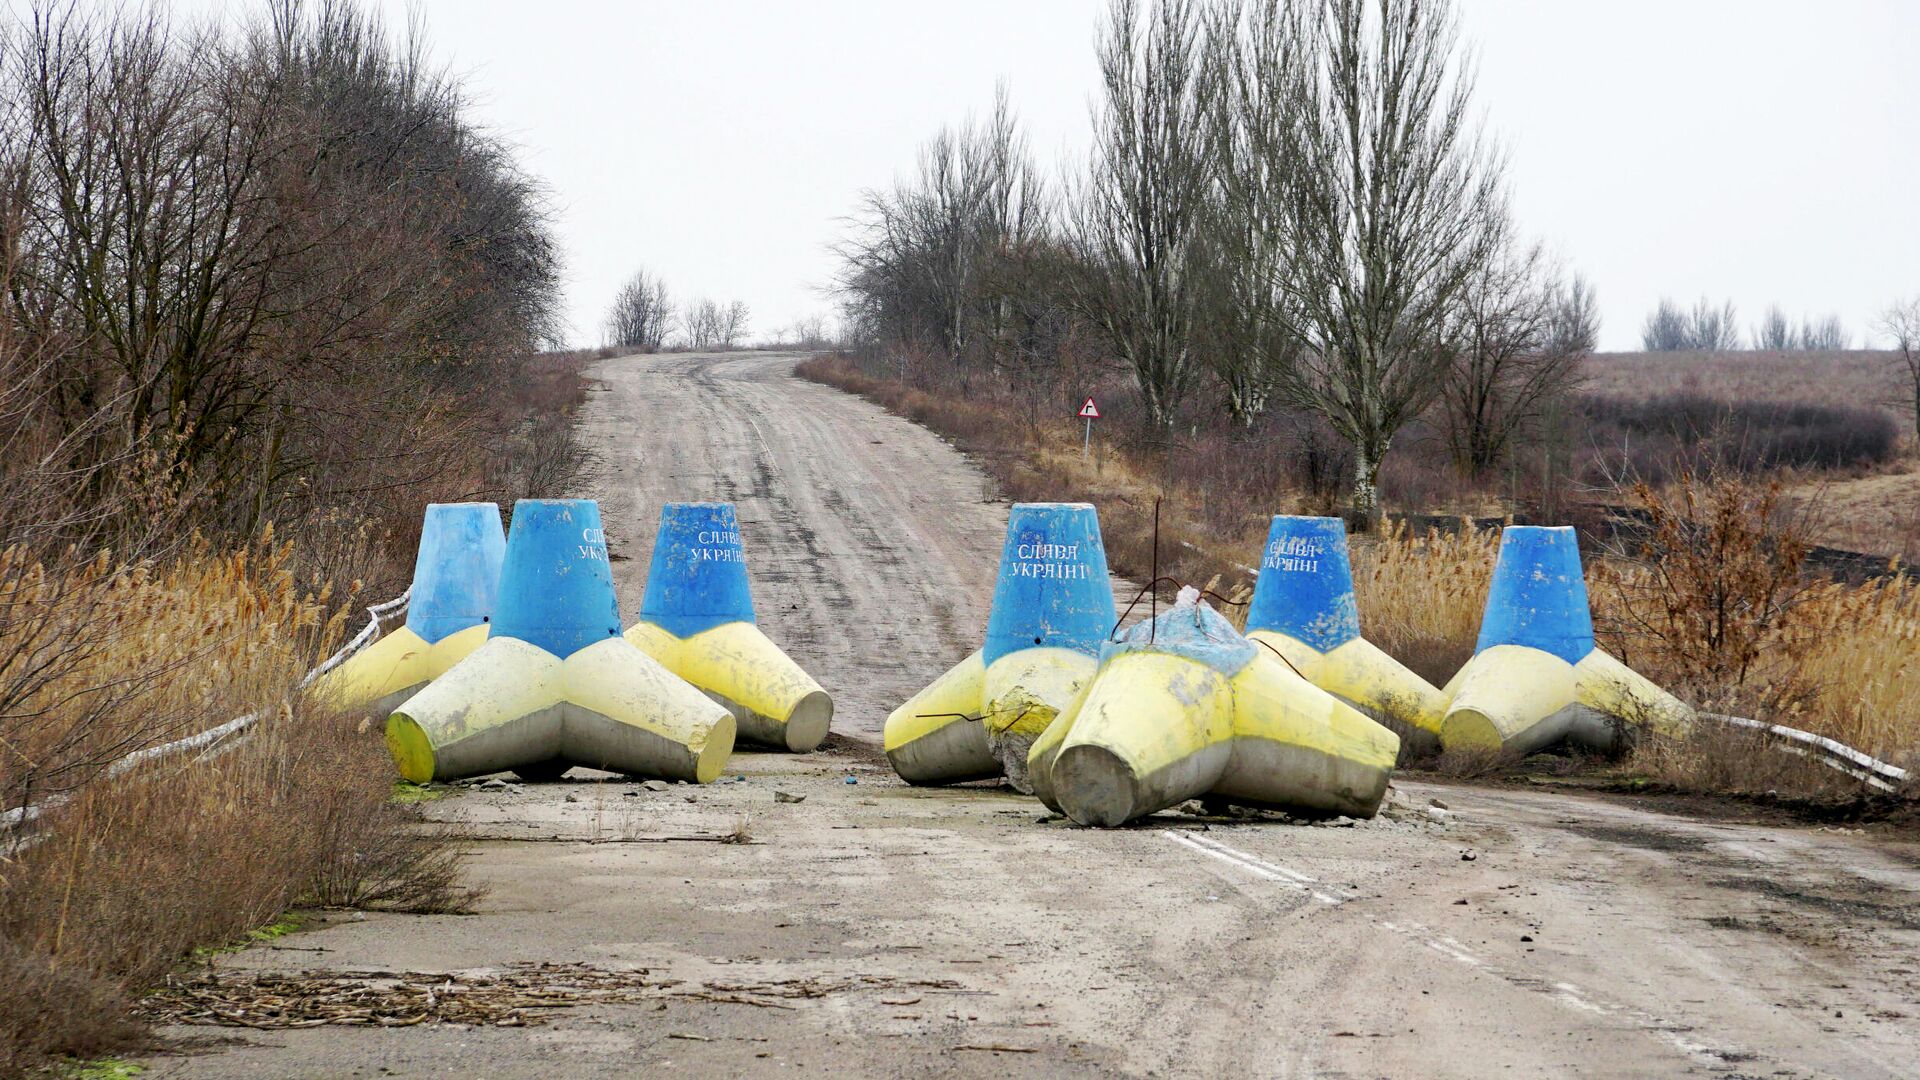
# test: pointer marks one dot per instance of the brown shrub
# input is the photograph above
(124, 875)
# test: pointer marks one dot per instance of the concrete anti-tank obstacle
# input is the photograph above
(555, 685)
(1052, 606)
(1184, 707)
(1536, 677)
(456, 575)
(1303, 607)
(697, 620)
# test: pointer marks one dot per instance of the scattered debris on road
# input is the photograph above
(522, 995)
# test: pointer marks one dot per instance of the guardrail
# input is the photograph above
(1829, 752)
(18, 817)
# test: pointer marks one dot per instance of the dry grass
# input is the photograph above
(1852, 378)
(130, 874)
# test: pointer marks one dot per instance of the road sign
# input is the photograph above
(1088, 412)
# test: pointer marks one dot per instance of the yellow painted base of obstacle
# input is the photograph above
(394, 668)
(1155, 729)
(1360, 674)
(774, 703)
(1521, 699)
(607, 706)
(977, 721)
(938, 737)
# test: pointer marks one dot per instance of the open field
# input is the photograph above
(1852, 378)
(877, 929)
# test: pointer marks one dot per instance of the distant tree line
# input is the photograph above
(644, 319)
(1289, 204)
(1714, 328)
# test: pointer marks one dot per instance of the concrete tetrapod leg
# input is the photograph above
(556, 685)
(1052, 606)
(697, 620)
(1185, 706)
(1536, 678)
(456, 574)
(1303, 608)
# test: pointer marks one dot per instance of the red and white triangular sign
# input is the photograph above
(1089, 410)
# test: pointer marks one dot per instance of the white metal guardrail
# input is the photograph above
(23, 815)
(1829, 752)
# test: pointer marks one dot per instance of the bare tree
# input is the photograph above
(1706, 328)
(1142, 220)
(232, 231)
(711, 325)
(732, 328)
(1246, 343)
(1901, 323)
(1713, 329)
(925, 261)
(700, 321)
(642, 314)
(1827, 335)
(1386, 201)
(1774, 332)
(1666, 329)
(1516, 343)
(1575, 323)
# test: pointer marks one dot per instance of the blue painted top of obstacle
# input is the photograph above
(1053, 588)
(1538, 597)
(698, 579)
(456, 574)
(556, 589)
(1305, 590)
(1193, 630)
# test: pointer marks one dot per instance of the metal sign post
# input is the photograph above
(1088, 412)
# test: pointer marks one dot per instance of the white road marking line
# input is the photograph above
(1460, 956)
(1569, 994)
(1233, 857)
(1326, 893)
(1209, 841)
(1566, 994)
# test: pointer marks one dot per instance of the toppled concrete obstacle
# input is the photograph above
(456, 573)
(1303, 607)
(556, 685)
(697, 621)
(1052, 607)
(1536, 678)
(1184, 706)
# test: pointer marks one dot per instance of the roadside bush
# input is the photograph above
(123, 876)
(1655, 439)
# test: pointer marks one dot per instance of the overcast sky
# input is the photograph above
(1756, 150)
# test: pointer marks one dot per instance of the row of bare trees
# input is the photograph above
(265, 262)
(1710, 327)
(644, 318)
(1288, 202)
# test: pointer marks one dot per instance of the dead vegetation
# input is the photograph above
(523, 995)
(125, 874)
